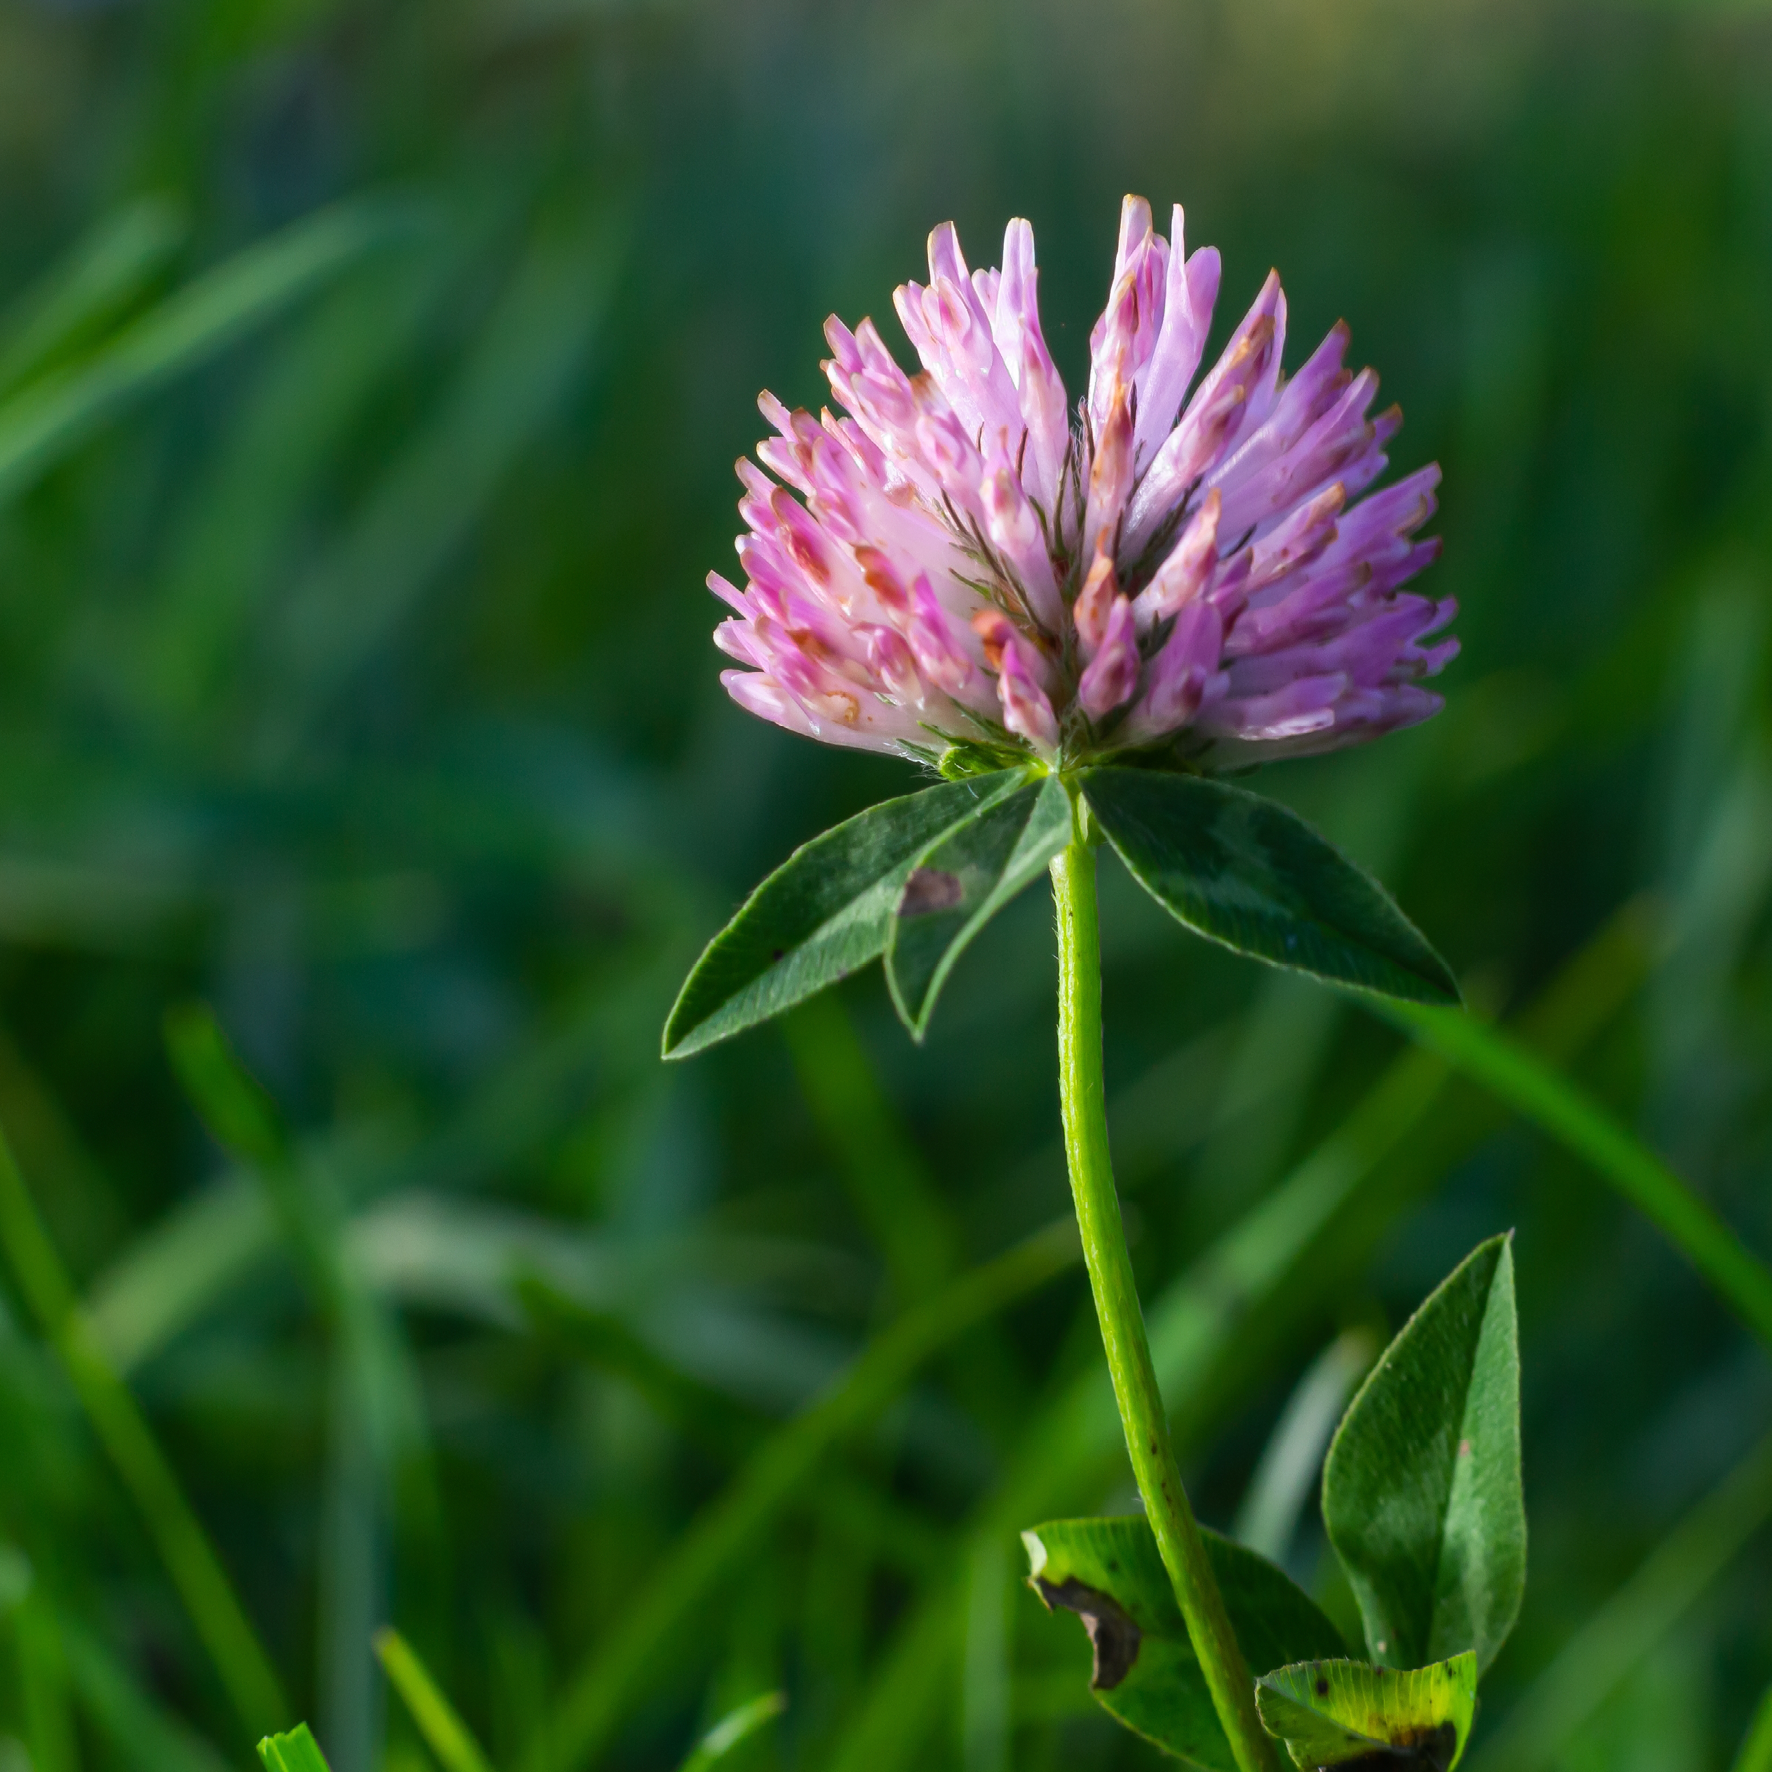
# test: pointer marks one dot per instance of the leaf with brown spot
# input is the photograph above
(824, 913)
(1349, 1715)
(961, 880)
(1145, 1674)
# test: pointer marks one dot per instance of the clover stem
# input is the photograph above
(1122, 1321)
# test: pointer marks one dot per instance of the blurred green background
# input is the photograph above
(370, 379)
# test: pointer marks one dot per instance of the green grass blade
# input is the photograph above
(247, 515)
(175, 1270)
(728, 1527)
(608, 1344)
(1600, 1656)
(90, 289)
(1290, 1465)
(351, 1560)
(295, 1751)
(892, 1719)
(887, 1179)
(1756, 1750)
(123, 1431)
(1559, 1108)
(524, 364)
(986, 1674)
(184, 1266)
(736, 1726)
(144, 1734)
(375, 1416)
(449, 1737)
(895, 1195)
(233, 1104)
(55, 414)
(40, 1646)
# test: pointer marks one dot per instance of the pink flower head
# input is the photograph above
(966, 559)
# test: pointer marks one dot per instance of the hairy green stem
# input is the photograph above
(1122, 1321)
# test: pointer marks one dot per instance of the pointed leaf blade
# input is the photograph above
(1347, 1713)
(733, 1729)
(86, 293)
(232, 1103)
(52, 415)
(821, 915)
(1247, 873)
(447, 1736)
(295, 1750)
(1422, 1495)
(1108, 1571)
(961, 881)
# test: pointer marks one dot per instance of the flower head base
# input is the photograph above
(968, 562)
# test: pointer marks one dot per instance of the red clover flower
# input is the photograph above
(970, 562)
(1080, 617)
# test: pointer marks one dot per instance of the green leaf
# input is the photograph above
(527, 359)
(233, 1104)
(961, 881)
(1535, 1088)
(87, 292)
(294, 1751)
(1108, 1572)
(1756, 1750)
(1421, 1491)
(1602, 1672)
(1244, 871)
(824, 913)
(447, 1736)
(1348, 1713)
(53, 414)
(736, 1726)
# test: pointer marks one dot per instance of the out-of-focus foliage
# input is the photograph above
(354, 677)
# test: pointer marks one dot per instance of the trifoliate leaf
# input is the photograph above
(824, 913)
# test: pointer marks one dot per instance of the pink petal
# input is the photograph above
(1026, 711)
(1185, 569)
(1112, 674)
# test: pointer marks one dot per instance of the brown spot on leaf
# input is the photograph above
(1112, 1635)
(928, 890)
(1429, 1751)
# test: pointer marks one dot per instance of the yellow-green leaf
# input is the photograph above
(1350, 1713)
